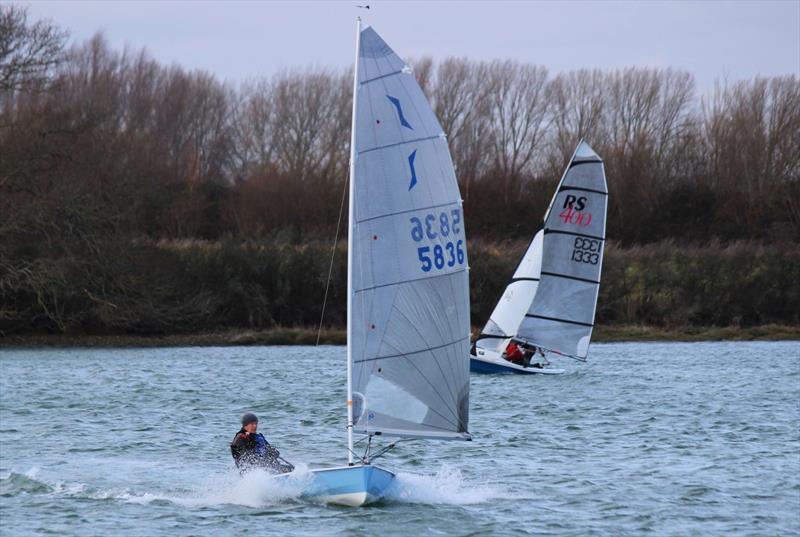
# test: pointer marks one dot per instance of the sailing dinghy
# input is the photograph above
(408, 296)
(550, 303)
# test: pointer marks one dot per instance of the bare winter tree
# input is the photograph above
(645, 115)
(336, 133)
(424, 73)
(519, 117)
(462, 100)
(577, 105)
(752, 136)
(28, 51)
(304, 105)
(252, 128)
(646, 111)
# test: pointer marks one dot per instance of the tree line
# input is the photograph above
(108, 159)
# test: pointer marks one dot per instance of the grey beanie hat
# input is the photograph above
(248, 417)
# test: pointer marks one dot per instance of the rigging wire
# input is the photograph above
(333, 254)
(368, 456)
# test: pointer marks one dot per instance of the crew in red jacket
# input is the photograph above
(514, 354)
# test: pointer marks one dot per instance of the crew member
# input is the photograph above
(514, 354)
(251, 450)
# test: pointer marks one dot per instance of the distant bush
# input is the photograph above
(195, 286)
(668, 284)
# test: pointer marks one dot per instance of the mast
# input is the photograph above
(350, 225)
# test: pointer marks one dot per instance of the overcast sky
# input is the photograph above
(241, 40)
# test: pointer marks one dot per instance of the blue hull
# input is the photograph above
(493, 368)
(350, 485)
(479, 366)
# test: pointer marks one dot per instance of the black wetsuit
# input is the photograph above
(253, 451)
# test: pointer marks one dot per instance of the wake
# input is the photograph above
(447, 486)
(256, 489)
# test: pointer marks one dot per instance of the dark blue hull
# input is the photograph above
(485, 367)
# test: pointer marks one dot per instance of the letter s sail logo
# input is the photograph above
(411, 159)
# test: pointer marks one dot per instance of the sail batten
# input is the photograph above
(400, 71)
(583, 161)
(581, 189)
(410, 299)
(573, 233)
(568, 277)
(557, 319)
(413, 140)
(404, 212)
(407, 353)
(407, 281)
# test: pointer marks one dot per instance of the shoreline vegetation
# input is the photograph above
(232, 292)
(308, 336)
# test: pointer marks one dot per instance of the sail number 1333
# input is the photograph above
(586, 251)
(438, 227)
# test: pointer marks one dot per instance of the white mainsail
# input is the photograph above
(515, 301)
(408, 300)
(561, 316)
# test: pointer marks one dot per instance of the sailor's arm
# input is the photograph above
(238, 446)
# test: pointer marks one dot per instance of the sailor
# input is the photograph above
(251, 450)
(526, 357)
(514, 354)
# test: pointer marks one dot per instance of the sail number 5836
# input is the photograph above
(433, 226)
(449, 255)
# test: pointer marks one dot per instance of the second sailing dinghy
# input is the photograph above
(551, 300)
(408, 296)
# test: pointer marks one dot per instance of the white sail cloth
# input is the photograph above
(515, 301)
(561, 316)
(410, 316)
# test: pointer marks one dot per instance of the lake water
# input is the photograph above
(658, 438)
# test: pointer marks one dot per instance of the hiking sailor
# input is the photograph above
(251, 450)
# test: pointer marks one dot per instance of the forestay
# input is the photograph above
(561, 316)
(410, 298)
(516, 300)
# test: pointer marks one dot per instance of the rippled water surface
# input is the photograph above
(666, 439)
